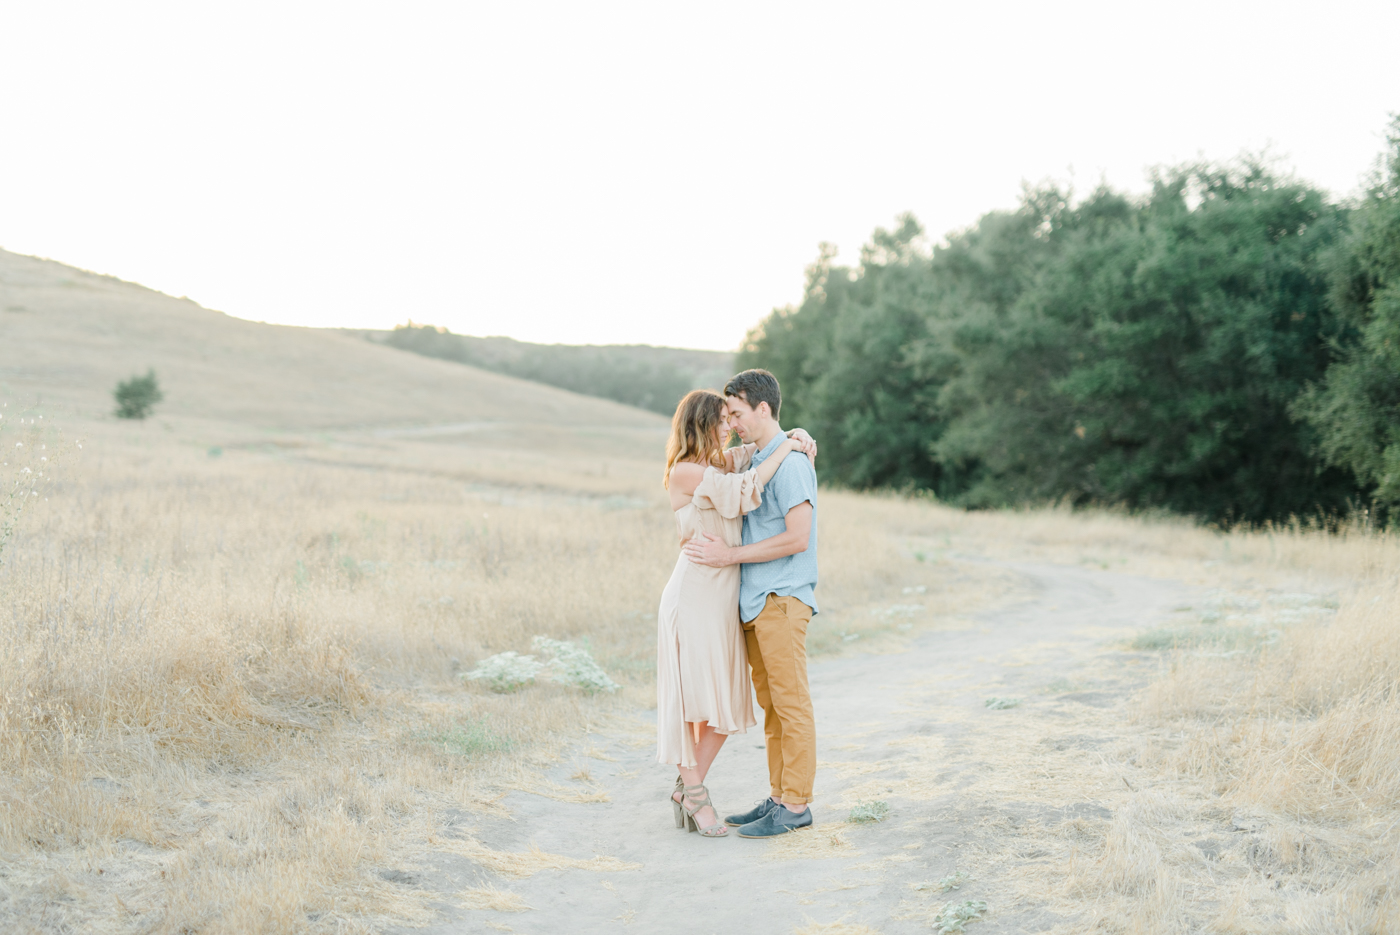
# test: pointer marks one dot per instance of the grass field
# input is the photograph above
(231, 640)
(231, 693)
(231, 684)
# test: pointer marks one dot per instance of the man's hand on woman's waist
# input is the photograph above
(711, 550)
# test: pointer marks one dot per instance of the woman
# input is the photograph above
(703, 693)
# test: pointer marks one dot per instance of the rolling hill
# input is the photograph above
(67, 336)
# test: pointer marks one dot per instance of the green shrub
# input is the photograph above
(138, 396)
(870, 811)
(952, 881)
(955, 916)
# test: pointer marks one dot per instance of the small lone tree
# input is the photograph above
(138, 396)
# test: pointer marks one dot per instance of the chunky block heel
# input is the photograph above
(693, 795)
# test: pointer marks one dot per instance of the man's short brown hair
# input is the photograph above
(754, 387)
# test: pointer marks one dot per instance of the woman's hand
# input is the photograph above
(804, 443)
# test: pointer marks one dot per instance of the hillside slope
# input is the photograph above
(68, 336)
(642, 375)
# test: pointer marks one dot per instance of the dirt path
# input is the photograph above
(911, 729)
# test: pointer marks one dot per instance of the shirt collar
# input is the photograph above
(769, 448)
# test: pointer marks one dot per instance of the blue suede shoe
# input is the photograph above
(753, 814)
(778, 821)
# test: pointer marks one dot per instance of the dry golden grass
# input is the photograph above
(824, 840)
(229, 685)
(1158, 546)
(229, 693)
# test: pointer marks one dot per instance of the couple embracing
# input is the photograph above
(738, 602)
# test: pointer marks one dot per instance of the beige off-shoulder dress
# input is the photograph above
(702, 667)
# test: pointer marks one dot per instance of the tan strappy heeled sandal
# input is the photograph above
(692, 794)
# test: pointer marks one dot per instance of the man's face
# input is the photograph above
(743, 418)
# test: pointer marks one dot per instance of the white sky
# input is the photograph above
(636, 173)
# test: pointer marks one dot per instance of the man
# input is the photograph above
(776, 603)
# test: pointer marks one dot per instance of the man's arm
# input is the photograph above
(712, 551)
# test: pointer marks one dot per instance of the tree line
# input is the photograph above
(640, 375)
(1226, 346)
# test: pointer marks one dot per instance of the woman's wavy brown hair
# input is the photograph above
(697, 432)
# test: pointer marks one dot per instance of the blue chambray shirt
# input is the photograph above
(792, 575)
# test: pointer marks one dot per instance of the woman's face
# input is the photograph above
(723, 429)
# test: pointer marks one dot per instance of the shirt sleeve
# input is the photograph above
(741, 456)
(794, 483)
(730, 494)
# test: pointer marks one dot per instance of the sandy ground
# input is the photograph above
(908, 728)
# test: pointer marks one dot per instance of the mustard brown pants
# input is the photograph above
(777, 643)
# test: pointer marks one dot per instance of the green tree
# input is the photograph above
(1355, 408)
(1152, 361)
(137, 396)
(1142, 351)
(841, 359)
(991, 353)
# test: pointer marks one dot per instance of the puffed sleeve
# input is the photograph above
(740, 456)
(731, 495)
